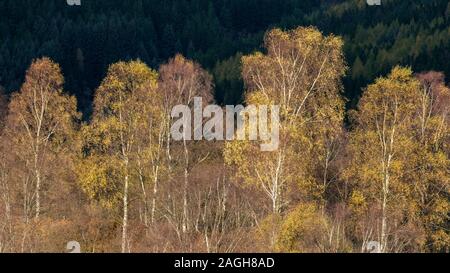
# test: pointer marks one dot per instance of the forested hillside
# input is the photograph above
(358, 99)
(85, 40)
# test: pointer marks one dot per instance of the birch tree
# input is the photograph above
(3, 108)
(181, 80)
(301, 73)
(431, 161)
(381, 148)
(40, 124)
(121, 110)
(6, 224)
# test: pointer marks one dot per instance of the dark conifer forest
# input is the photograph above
(86, 39)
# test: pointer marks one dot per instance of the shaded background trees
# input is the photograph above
(85, 40)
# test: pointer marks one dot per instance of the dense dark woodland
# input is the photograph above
(85, 40)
